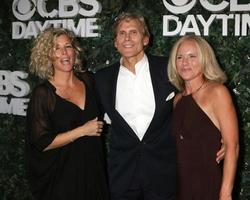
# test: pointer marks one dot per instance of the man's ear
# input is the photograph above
(145, 40)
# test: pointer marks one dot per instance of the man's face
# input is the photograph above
(130, 41)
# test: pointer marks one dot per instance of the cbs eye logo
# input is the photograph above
(179, 6)
(24, 9)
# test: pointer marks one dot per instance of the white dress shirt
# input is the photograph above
(135, 97)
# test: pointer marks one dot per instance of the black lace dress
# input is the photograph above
(75, 171)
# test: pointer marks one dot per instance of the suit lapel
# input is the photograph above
(156, 89)
(114, 83)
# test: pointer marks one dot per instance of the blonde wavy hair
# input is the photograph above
(43, 48)
(210, 67)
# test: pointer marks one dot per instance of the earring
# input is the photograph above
(75, 67)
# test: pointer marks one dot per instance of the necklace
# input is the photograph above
(197, 90)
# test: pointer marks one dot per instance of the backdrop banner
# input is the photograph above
(224, 23)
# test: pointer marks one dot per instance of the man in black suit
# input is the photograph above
(137, 97)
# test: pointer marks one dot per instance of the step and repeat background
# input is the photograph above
(224, 23)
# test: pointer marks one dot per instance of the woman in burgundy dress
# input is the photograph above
(64, 151)
(204, 115)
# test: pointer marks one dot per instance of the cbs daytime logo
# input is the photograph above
(61, 16)
(13, 92)
(197, 25)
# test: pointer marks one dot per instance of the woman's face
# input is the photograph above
(188, 61)
(64, 54)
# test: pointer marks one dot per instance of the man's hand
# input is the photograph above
(221, 153)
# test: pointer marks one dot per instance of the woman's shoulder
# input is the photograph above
(43, 89)
(87, 77)
(217, 90)
(217, 94)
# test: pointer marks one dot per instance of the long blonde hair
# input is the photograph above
(41, 53)
(210, 67)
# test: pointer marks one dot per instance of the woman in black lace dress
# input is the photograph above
(203, 115)
(64, 150)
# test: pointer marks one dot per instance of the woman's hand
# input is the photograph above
(91, 128)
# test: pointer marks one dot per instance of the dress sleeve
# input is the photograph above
(39, 128)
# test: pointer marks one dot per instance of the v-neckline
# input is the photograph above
(70, 102)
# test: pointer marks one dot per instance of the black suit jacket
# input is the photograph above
(155, 156)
